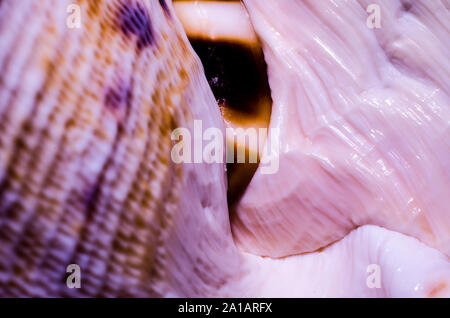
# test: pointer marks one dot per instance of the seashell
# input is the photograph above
(91, 93)
(86, 116)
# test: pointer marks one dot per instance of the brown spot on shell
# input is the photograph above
(118, 100)
(91, 199)
(134, 20)
(406, 6)
(164, 6)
